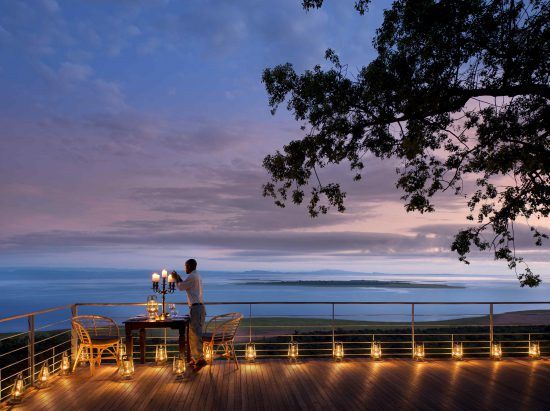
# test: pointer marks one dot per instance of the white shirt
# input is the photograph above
(193, 285)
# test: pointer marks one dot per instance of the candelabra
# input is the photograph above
(171, 288)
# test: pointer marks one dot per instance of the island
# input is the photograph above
(353, 283)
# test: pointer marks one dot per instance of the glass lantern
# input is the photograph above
(250, 352)
(65, 364)
(152, 307)
(534, 350)
(160, 355)
(84, 357)
(121, 350)
(126, 368)
(457, 351)
(18, 389)
(43, 376)
(207, 352)
(293, 351)
(338, 352)
(178, 367)
(376, 350)
(496, 351)
(419, 352)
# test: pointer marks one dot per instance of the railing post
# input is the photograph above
(250, 322)
(491, 325)
(412, 329)
(333, 342)
(30, 348)
(74, 336)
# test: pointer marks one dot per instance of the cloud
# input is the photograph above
(51, 6)
(73, 72)
(111, 95)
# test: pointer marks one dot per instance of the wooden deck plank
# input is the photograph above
(274, 385)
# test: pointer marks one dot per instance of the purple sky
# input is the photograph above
(132, 133)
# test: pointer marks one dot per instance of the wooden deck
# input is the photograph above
(309, 385)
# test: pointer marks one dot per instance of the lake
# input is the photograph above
(30, 289)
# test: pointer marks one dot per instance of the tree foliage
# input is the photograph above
(459, 90)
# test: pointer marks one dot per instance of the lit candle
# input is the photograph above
(171, 278)
(156, 277)
(164, 273)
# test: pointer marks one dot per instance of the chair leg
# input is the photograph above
(234, 356)
(115, 350)
(212, 352)
(77, 358)
(99, 354)
(91, 359)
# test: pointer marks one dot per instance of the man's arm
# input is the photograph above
(183, 285)
(176, 276)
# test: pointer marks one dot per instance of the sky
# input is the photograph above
(132, 135)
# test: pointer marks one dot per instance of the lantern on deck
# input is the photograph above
(65, 364)
(338, 352)
(178, 367)
(293, 351)
(207, 352)
(376, 350)
(250, 352)
(496, 351)
(126, 368)
(121, 350)
(534, 350)
(457, 351)
(43, 376)
(84, 356)
(160, 355)
(18, 389)
(419, 352)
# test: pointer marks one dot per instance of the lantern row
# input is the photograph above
(126, 364)
(419, 352)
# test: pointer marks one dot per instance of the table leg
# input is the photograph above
(142, 345)
(129, 342)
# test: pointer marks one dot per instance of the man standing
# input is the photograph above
(193, 286)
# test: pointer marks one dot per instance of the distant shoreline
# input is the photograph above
(353, 283)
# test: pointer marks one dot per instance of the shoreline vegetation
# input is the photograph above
(353, 283)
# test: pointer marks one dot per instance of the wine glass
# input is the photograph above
(172, 308)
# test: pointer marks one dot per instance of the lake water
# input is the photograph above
(30, 289)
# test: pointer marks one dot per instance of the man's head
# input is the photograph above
(190, 265)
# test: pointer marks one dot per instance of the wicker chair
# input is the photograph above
(98, 333)
(220, 333)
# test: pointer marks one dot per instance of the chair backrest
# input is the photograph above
(88, 326)
(224, 326)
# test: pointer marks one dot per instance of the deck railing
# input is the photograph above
(27, 346)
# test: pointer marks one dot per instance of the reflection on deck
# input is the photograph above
(308, 385)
